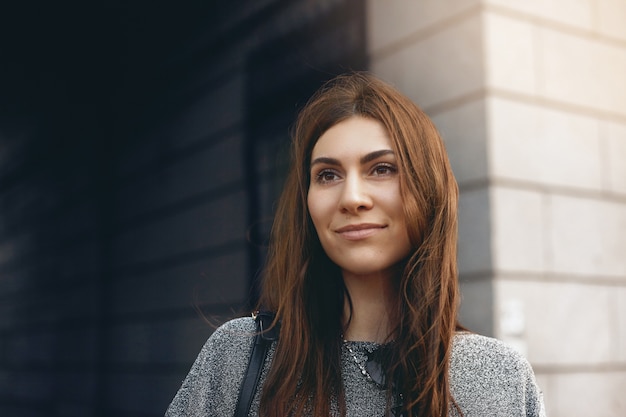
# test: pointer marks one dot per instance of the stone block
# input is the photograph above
(615, 157)
(78, 388)
(217, 110)
(221, 108)
(34, 348)
(214, 166)
(517, 230)
(611, 15)
(582, 71)
(133, 393)
(509, 53)
(543, 145)
(198, 227)
(438, 68)
(390, 21)
(31, 386)
(158, 343)
(463, 130)
(217, 279)
(564, 324)
(621, 324)
(140, 155)
(586, 237)
(11, 248)
(476, 311)
(579, 13)
(474, 247)
(598, 394)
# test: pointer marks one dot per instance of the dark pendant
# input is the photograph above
(375, 368)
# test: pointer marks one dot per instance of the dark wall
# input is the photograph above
(142, 146)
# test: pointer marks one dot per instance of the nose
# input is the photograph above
(355, 196)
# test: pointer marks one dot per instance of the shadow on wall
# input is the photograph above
(137, 152)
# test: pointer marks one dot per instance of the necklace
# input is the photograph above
(371, 367)
(372, 370)
(358, 362)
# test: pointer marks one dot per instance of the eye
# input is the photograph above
(384, 169)
(326, 176)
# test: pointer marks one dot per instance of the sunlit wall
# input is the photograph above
(530, 97)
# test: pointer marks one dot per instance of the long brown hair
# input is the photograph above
(299, 277)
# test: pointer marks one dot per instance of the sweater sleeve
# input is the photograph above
(489, 378)
(534, 396)
(212, 386)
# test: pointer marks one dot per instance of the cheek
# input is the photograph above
(393, 202)
(321, 212)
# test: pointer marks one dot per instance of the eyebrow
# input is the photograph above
(364, 159)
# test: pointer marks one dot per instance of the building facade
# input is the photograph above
(137, 195)
(531, 100)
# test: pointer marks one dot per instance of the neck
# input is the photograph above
(372, 298)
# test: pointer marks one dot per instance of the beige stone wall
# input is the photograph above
(530, 97)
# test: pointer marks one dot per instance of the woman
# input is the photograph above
(362, 277)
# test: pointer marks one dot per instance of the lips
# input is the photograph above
(359, 231)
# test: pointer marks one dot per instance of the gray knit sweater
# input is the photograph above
(487, 378)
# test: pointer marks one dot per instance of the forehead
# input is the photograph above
(355, 136)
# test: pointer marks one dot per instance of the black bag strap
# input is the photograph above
(262, 342)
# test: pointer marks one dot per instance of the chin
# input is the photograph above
(367, 270)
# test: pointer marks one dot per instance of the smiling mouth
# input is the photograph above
(359, 231)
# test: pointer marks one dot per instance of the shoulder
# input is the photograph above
(231, 341)
(229, 344)
(487, 375)
(212, 384)
(235, 330)
(469, 349)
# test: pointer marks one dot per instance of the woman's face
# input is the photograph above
(354, 198)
